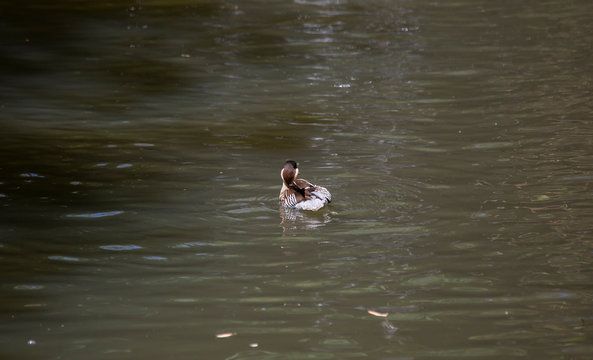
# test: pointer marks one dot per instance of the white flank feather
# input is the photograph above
(319, 198)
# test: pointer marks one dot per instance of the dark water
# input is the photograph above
(141, 148)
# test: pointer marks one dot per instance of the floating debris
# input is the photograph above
(376, 313)
(225, 335)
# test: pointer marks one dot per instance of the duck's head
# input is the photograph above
(289, 172)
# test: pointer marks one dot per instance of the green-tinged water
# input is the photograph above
(141, 148)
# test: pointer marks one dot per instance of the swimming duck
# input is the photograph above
(299, 193)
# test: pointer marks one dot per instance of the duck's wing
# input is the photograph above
(292, 196)
(304, 187)
(304, 195)
(302, 183)
(308, 189)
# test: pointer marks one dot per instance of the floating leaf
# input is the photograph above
(225, 335)
(376, 313)
(540, 198)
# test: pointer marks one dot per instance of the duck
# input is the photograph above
(300, 193)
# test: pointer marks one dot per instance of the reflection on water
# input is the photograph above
(296, 220)
(139, 180)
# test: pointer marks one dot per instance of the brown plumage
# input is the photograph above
(299, 193)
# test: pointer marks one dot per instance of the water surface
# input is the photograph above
(141, 149)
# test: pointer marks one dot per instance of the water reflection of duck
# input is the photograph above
(296, 220)
(299, 193)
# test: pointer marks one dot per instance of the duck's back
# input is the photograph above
(315, 197)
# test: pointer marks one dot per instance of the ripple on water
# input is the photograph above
(270, 355)
(474, 352)
(120, 247)
(95, 215)
(488, 145)
(31, 175)
(28, 287)
(64, 258)
(156, 258)
(193, 244)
